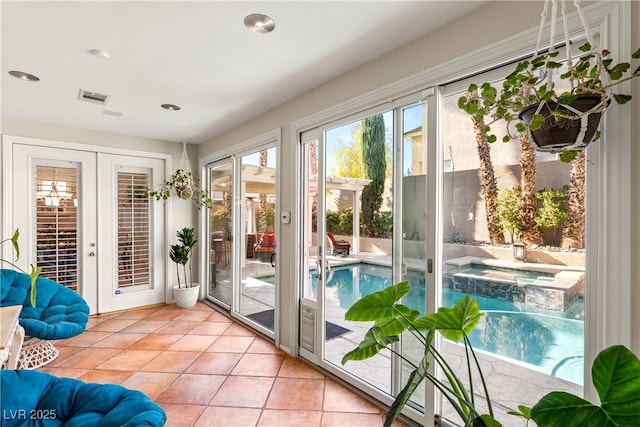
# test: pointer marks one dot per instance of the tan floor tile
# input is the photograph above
(197, 316)
(177, 327)
(64, 372)
(63, 354)
(225, 417)
(129, 360)
(150, 383)
(280, 418)
(296, 368)
(214, 363)
(141, 313)
(225, 344)
(210, 328)
(89, 358)
(248, 392)
(171, 361)
(85, 339)
(240, 331)
(338, 398)
(93, 322)
(113, 325)
(105, 376)
(341, 419)
(219, 317)
(182, 415)
(156, 342)
(120, 340)
(164, 315)
(261, 345)
(293, 393)
(266, 365)
(193, 343)
(192, 389)
(145, 326)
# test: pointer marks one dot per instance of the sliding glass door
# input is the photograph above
(364, 228)
(243, 236)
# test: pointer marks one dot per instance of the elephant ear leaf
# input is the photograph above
(378, 305)
(453, 323)
(616, 377)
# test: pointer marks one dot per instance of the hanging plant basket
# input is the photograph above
(566, 127)
(184, 184)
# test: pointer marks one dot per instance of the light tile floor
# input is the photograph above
(205, 369)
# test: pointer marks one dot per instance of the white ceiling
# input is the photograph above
(197, 55)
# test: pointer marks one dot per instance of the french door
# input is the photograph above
(84, 217)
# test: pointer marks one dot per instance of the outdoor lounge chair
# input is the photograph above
(339, 246)
(266, 248)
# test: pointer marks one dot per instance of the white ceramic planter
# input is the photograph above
(186, 297)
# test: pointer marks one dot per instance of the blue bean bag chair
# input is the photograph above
(59, 313)
(34, 398)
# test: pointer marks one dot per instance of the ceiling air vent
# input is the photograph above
(93, 97)
(112, 113)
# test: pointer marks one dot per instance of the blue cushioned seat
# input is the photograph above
(59, 313)
(34, 398)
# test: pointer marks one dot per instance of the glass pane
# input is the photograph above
(359, 227)
(56, 223)
(414, 215)
(310, 225)
(133, 230)
(532, 335)
(221, 191)
(257, 219)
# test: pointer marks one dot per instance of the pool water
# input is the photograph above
(545, 340)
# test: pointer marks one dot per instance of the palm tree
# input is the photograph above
(488, 182)
(262, 213)
(529, 232)
(573, 231)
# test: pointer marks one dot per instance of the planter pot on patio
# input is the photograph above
(186, 297)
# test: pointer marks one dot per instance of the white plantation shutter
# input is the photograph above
(56, 219)
(133, 230)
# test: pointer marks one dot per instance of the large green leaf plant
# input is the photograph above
(616, 370)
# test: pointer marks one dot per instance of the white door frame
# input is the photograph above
(7, 227)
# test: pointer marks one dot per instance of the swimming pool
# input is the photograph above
(548, 341)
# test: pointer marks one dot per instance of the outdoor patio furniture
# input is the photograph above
(38, 398)
(59, 313)
(266, 248)
(339, 246)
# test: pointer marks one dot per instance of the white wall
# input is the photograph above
(487, 25)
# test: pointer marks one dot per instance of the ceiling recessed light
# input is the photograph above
(259, 23)
(99, 53)
(170, 107)
(24, 76)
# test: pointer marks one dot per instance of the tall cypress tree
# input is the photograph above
(375, 165)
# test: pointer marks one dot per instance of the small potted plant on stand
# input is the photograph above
(186, 296)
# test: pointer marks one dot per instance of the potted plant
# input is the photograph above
(35, 271)
(184, 184)
(616, 370)
(557, 120)
(180, 253)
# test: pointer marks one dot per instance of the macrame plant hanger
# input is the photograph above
(602, 105)
(186, 188)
